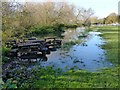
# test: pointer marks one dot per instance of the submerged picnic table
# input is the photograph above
(33, 49)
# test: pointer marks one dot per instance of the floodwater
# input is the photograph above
(87, 55)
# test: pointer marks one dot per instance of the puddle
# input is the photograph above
(87, 56)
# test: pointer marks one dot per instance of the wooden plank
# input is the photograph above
(28, 44)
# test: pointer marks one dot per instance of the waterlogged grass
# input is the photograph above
(110, 34)
(48, 78)
(67, 45)
(111, 46)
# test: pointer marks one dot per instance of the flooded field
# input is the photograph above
(80, 58)
(87, 55)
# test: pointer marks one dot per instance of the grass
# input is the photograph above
(110, 34)
(106, 27)
(48, 78)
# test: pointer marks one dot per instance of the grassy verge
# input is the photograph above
(110, 34)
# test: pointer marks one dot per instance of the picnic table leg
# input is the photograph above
(43, 53)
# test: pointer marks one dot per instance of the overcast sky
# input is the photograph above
(102, 8)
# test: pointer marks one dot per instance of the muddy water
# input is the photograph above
(87, 55)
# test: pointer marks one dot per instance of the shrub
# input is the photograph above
(5, 52)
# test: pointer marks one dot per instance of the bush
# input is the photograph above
(38, 30)
(71, 26)
(58, 29)
(35, 31)
(5, 52)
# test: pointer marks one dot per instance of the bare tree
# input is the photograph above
(49, 13)
(84, 15)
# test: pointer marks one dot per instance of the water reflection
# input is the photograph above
(32, 58)
(72, 34)
(87, 55)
